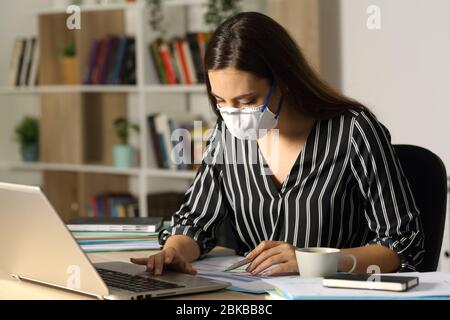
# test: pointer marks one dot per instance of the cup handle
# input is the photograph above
(353, 260)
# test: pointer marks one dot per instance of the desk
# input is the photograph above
(21, 290)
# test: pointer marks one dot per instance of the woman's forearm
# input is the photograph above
(373, 255)
(184, 245)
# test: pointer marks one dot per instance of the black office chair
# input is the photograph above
(427, 178)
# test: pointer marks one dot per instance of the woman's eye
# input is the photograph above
(250, 102)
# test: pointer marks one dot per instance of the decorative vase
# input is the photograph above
(70, 70)
(123, 155)
(30, 152)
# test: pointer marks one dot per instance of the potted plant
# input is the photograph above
(220, 10)
(123, 153)
(27, 134)
(217, 11)
(69, 64)
(156, 17)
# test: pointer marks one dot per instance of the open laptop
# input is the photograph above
(35, 245)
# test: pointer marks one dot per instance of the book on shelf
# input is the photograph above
(33, 74)
(128, 73)
(174, 150)
(157, 61)
(112, 60)
(112, 205)
(180, 60)
(24, 62)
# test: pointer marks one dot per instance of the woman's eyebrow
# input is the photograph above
(245, 95)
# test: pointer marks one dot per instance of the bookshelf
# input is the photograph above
(156, 88)
(76, 152)
(61, 167)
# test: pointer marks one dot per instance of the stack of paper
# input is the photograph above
(432, 285)
(91, 241)
(115, 224)
(213, 266)
(116, 241)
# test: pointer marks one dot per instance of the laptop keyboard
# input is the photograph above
(133, 283)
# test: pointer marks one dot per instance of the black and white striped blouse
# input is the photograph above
(346, 189)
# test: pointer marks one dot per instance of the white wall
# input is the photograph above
(402, 70)
(17, 20)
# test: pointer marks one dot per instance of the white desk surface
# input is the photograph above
(11, 289)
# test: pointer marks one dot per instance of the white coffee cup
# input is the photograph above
(320, 262)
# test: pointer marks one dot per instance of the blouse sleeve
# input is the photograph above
(203, 207)
(390, 209)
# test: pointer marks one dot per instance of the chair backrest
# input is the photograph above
(427, 178)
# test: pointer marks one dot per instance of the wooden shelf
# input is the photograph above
(183, 2)
(68, 89)
(96, 7)
(86, 168)
(139, 5)
(156, 88)
(92, 168)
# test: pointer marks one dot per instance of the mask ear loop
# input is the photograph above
(280, 105)
(266, 102)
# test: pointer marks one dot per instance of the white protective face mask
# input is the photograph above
(250, 122)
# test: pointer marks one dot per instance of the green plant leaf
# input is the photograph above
(69, 50)
(123, 127)
(27, 131)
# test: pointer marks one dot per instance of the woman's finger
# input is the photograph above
(140, 261)
(264, 245)
(150, 263)
(262, 257)
(189, 269)
(159, 263)
(277, 270)
(169, 256)
(275, 259)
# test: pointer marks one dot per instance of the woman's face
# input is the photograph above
(235, 88)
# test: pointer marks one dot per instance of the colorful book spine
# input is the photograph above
(157, 62)
(32, 79)
(96, 75)
(184, 64)
(21, 60)
(121, 48)
(167, 62)
(15, 62)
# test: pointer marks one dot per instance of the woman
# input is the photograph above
(292, 163)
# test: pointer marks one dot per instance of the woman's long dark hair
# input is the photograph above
(255, 43)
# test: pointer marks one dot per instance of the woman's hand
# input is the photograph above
(168, 258)
(269, 253)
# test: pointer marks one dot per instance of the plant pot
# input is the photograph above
(30, 152)
(123, 156)
(70, 70)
